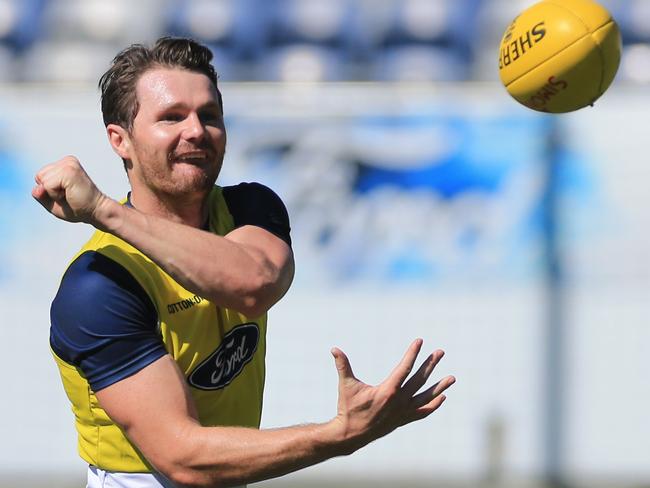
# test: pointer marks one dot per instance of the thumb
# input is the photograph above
(342, 364)
(38, 191)
(41, 196)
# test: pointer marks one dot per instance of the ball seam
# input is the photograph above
(588, 34)
(581, 19)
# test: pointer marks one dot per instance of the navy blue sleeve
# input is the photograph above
(256, 204)
(103, 321)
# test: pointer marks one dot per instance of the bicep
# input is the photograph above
(253, 204)
(262, 228)
(154, 407)
(266, 246)
(104, 323)
(274, 256)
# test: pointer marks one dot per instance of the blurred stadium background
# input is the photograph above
(424, 202)
(286, 40)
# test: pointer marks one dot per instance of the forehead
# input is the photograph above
(160, 87)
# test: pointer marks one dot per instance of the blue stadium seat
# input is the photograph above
(635, 63)
(228, 68)
(318, 22)
(437, 40)
(8, 65)
(301, 63)
(66, 61)
(20, 22)
(118, 22)
(633, 18)
(418, 62)
(308, 39)
(433, 22)
(235, 26)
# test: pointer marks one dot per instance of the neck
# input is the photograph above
(190, 210)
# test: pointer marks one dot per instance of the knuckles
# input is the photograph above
(72, 160)
(72, 164)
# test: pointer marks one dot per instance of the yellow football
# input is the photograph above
(560, 55)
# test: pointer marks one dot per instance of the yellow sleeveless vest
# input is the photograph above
(220, 351)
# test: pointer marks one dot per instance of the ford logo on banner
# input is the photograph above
(225, 364)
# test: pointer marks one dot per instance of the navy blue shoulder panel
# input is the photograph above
(103, 321)
(256, 204)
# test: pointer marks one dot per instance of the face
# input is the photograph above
(178, 139)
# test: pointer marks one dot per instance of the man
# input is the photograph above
(159, 324)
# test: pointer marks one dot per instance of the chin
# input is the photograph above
(195, 187)
(194, 180)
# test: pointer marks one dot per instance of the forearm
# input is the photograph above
(230, 456)
(155, 410)
(229, 273)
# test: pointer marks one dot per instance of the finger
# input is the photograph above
(434, 391)
(54, 192)
(342, 364)
(48, 198)
(43, 171)
(38, 191)
(41, 196)
(50, 177)
(53, 174)
(422, 374)
(429, 408)
(405, 366)
(43, 199)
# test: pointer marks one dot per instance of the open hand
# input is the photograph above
(367, 412)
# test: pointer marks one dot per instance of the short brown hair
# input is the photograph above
(119, 101)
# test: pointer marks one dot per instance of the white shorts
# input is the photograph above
(98, 478)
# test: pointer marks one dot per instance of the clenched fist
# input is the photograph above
(67, 192)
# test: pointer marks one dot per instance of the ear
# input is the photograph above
(120, 140)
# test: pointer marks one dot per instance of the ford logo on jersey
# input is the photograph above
(224, 364)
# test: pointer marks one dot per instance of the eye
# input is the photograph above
(172, 117)
(211, 117)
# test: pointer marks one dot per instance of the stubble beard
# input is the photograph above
(181, 180)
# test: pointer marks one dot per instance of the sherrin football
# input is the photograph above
(560, 55)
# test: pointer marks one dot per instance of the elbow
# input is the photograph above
(252, 309)
(176, 471)
(250, 303)
(185, 478)
(192, 478)
(256, 301)
(253, 290)
(261, 292)
(249, 295)
(176, 468)
(184, 469)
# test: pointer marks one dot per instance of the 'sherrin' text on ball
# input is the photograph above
(512, 51)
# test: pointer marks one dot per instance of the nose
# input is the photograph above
(194, 129)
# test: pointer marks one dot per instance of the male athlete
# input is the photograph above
(159, 324)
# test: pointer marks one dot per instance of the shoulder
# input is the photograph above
(92, 272)
(101, 316)
(236, 194)
(256, 204)
(96, 296)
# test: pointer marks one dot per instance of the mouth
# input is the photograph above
(191, 157)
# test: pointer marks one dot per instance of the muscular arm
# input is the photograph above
(156, 412)
(248, 270)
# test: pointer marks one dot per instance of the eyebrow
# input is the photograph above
(212, 104)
